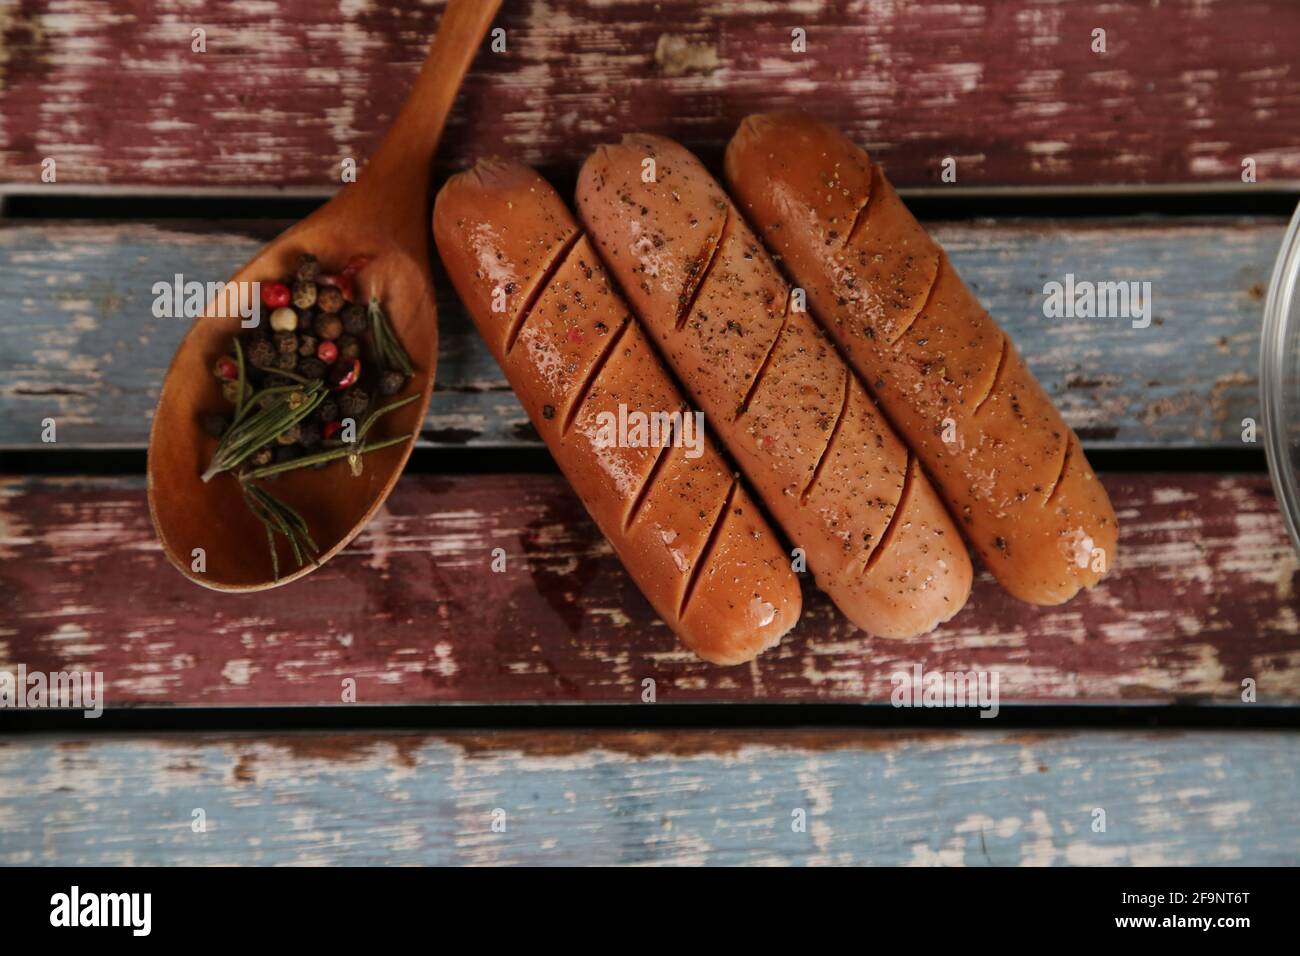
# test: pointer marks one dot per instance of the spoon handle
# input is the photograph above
(398, 175)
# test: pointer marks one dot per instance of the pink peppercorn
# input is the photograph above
(275, 295)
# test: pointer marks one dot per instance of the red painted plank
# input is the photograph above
(1203, 598)
(1185, 90)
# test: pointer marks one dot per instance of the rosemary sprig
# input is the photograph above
(278, 517)
(321, 457)
(280, 411)
(387, 345)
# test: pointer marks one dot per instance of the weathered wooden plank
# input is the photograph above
(1203, 597)
(1013, 89)
(78, 342)
(873, 798)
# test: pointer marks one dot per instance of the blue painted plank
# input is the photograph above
(633, 798)
(78, 342)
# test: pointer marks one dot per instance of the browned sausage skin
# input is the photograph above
(948, 377)
(682, 524)
(803, 430)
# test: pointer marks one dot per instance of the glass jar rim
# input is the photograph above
(1273, 354)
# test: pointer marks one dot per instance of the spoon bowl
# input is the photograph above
(205, 528)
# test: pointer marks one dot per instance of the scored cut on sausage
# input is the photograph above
(947, 376)
(804, 431)
(682, 523)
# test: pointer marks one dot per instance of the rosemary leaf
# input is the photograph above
(239, 361)
(321, 457)
(387, 345)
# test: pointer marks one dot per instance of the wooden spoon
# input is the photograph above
(206, 530)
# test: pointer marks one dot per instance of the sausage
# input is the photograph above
(683, 525)
(804, 431)
(947, 376)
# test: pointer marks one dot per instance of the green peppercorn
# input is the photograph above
(354, 319)
(304, 294)
(349, 348)
(230, 391)
(307, 269)
(307, 345)
(329, 299)
(354, 402)
(260, 457)
(311, 368)
(391, 382)
(289, 436)
(329, 326)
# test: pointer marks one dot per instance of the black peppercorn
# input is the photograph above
(354, 320)
(354, 402)
(390, 383)
(329, 299)
(286, 362)
(307, 345)
(309, 434)
(349, 348)
(261, 353)
(286, 343)
(307, 269)
(304, 294)
(328, 410)
(215, 425)
(311, 368)
(329, 326)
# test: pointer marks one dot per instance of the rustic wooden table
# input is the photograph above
(1119, 165)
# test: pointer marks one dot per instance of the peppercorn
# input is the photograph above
(349, 348)
(354, 402)
(354, 320)
(289, 436)
(286, 362)
(260, 457)
(328, 410)
(304, 294)
(391, 382)
(329, 299)
(307, 269)
(226, 369)
(309, 434)
(327, 352)
(286, 343)
(230, 391)
(261, 353)
(215, 425)
(275, 295)
(311, 368)
(329, 326)
(345, 374)
(306, 345)
(284, 319)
